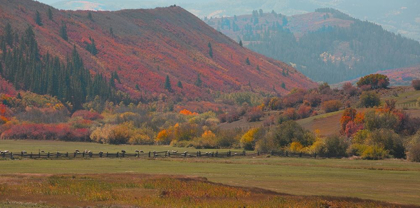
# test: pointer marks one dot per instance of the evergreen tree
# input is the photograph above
(285, 21)
(168, 84)
(283, 85)
(210, 50)
(240, 43)
(198, 82)
(248, 62)
(38, 19)
(90, 16)
(92, 47)
(137, 87)
(258, 68)
(180, 85)
(63, 32)
(111, 32)
(8, 34)
(50, 14)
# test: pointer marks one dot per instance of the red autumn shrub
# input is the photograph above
(304, 111)
(416, 84)
(87, 115)
(254, 114)
(352, 128)
(331, 106)
(290, 113)
(46, 132)
(349, 89)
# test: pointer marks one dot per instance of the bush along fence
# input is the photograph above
(145, 155)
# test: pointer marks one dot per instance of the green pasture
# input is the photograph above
(395, 181)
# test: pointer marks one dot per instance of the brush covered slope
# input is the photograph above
(152, 50)
(325, 45)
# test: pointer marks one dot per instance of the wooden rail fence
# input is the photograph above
(140, 154)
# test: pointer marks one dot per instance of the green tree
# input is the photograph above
(375, 81)
(369, 99)
(63, 32)
(50, 14)
(248, 62)
(8, 35)
(210, 50)
(38, 19)
(180, 85)
(198, 82)
(92, 47)
(90, 16)
(283, 85)
(111, 32)
(168, 84)
(137, 87)
(240, 43)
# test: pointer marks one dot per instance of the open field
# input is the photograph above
(116, 190)
(35, 146)
(394, 181)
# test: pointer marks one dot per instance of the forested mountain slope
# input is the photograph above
(143, 53)
(325, 45)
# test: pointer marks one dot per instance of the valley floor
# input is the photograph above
(393, 181)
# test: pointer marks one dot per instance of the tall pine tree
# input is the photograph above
(63, 32)
(38, 19)
(50, 14)
(210, 50)
(198, 82)
(168, 84)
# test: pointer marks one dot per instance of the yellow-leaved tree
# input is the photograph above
(249, 138)
(163, 137)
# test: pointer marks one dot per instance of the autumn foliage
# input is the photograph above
(374, 81)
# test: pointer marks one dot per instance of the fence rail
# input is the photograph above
(162, 154)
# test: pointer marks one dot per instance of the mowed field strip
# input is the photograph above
(393, 181)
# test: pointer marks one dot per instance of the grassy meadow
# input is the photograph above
(394, 181)
(128, 190)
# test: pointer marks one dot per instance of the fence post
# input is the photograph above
(300, 155)
(258, 153)
(149, 154)
(90, 154)
(123, 154)
(67, 154)
(11, 155)
(287, 154)
(244, 153)
(169, 154)
(31, 155)
(48, 155)
(217, 153)
(74, 154)
(83, 154)
(118, 154)
(56, 156)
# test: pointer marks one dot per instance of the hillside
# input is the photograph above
(397, 77)
(325, 45)
(145, 46)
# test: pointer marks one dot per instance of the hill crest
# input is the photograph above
(144, 46)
